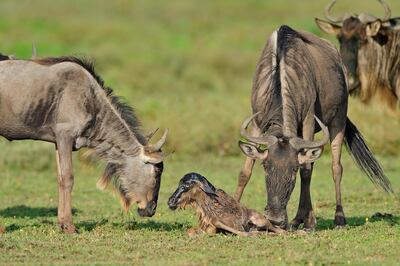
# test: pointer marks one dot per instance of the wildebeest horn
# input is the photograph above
(299, 143)
(328, 15)
(388, 12)
(33, 51)
(161, 142)
(267, 140)
(151, 134)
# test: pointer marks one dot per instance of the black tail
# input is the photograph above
(364, 158)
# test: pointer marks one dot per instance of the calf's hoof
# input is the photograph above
(68, 228)
(194, 232)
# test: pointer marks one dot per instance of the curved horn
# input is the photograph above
(388, 12)
(34, 54)
(267, 140)
(328, 15)
(151, 134)
(299, 143)
(161, 142)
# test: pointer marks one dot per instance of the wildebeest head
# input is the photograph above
(281, 158)
(361, 38)
(189, 186)
(139, 179)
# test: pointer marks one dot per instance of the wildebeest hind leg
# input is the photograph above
(337, 170)
(65, 183)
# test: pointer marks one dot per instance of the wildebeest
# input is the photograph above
(63, 101)
(300, 76)
(369, 47)
(217, 210)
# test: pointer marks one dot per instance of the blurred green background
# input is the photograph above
(185, 65)
(188, 66)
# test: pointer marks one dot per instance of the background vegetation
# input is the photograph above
(185, 65)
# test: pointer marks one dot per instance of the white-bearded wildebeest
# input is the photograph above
(63, 101)
(298, 77)
(370, 49)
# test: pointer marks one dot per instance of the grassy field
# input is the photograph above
(188, 66)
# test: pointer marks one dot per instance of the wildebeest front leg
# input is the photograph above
(305, 213)
(337, 170)
(244, 177)
(245, 173)
(65, 183)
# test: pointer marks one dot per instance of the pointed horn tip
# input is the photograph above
(328, 15)
(388, 12)
(162, 140)
(245, 124)
(324, 128)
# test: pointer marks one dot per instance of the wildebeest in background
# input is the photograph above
(300, 76)
(217, 210)
(370, 49)
(63, 101)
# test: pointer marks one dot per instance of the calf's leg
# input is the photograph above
(65, 183)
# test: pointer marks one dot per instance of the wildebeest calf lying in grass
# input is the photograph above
(217, 211)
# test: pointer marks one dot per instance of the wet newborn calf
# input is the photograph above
(217, 211)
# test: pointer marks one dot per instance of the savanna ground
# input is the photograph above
(188, 66)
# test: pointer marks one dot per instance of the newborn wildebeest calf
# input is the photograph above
(217, 211)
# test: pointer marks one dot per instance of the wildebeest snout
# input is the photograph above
(149, 211)
(277, 217)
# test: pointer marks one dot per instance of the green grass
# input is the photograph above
(188, 66)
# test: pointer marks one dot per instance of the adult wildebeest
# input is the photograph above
(370, 48)
(63, 101)
(300, 76)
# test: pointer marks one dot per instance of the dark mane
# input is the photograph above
(127, 113)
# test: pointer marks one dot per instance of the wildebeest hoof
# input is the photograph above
(68, 228)
(340, 221)
(294, 225)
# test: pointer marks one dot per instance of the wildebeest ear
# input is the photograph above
(153, 158)
(207, 189)
(373, 28)
(309, 155)
(250, 150)
(328, 27)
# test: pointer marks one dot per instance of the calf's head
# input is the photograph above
(361, 38)
(281, 158)
(191, 186)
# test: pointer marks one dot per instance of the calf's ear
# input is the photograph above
(250, 150)
(328, 27)
(373, 28)
(309, 155)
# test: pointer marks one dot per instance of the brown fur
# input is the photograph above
(222, 208)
